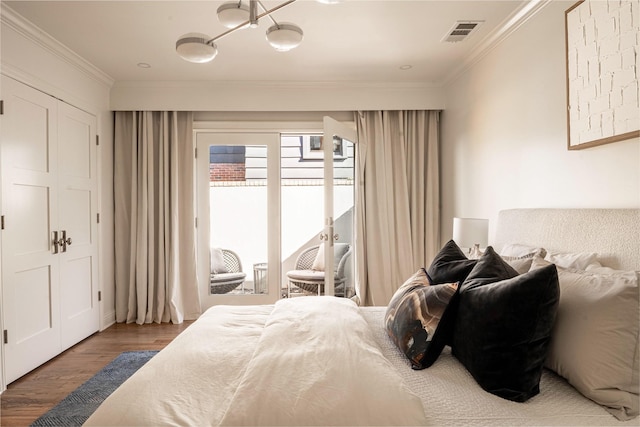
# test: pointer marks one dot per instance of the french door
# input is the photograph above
(340, 144)
(238, 217)
(270, 193)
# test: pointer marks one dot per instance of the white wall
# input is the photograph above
(31, 57)
(272, 96)
(504, 135)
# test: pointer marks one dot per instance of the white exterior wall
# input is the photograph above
(241, 224)
(504, 135)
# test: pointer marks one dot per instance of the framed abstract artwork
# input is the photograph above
(603, 65)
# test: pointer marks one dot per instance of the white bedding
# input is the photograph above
(192, 380)
(304, 361)
(296, 376)
(208, 376)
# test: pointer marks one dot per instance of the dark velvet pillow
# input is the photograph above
(450, 265)
(503, 326)
(419, 317)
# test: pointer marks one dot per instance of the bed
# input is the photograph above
(326, 361)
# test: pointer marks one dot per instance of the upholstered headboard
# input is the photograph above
(613, 233)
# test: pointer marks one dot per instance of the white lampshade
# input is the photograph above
(471, 232)
(233, 14)
(193, 47)
(284, 36)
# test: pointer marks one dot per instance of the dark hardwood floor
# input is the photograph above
(29, 397)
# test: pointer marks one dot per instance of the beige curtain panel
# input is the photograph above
(155, 240)
(398, 199)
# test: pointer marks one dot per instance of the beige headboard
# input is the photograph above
(613, 233)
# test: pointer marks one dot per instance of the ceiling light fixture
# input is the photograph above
(196, 47)
(233, 14)
(236, 15)
(284, 36)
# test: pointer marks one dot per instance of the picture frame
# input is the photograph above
(602, 67)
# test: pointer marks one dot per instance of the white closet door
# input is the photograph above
(77, 207)
(49, 185)
(30, 271)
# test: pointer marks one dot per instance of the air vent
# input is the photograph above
(461, 31)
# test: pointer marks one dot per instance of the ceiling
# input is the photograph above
(352, 41)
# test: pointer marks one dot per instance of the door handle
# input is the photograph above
(64, 241)
(55, 242)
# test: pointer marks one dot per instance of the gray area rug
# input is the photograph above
(74, 409)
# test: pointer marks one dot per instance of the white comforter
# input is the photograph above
(270, 365)
(213, 374)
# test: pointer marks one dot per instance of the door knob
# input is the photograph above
(64, 241)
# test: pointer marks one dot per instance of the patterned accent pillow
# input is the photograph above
(419, 318)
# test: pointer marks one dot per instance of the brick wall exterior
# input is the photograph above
(227, 172)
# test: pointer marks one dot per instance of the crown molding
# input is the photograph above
(508, 27)
(25, 28)
(258, 84)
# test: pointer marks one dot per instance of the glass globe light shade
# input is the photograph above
(284, 36)
(233, 14)
(193, 47)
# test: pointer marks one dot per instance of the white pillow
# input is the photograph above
(318, 262)
(217, 261)
(577, 260)
(519, 250)
(521, 264)
(594, 343)
(339, 249)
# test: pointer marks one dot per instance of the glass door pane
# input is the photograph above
(239, 218)
(339, 207)
(302, 197)
(317, 178)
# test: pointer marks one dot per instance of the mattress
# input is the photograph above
(196, 377)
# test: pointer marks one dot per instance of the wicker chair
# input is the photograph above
(229, 277)
(310, 280)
